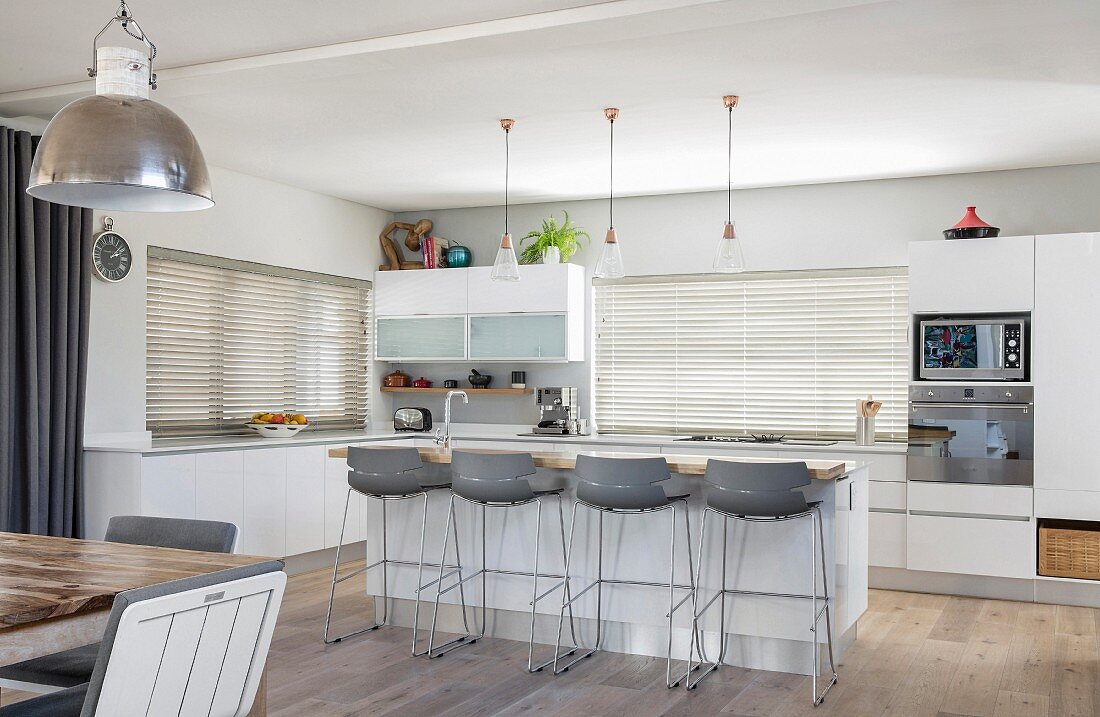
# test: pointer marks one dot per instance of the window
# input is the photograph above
(782, 352)
(226, 339)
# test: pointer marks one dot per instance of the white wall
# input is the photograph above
(851, 224)
(254, 220)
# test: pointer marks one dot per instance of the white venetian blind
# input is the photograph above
(775, 352)
(226, 339)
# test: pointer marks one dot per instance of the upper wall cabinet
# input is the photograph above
(972, 275)
(454, 314)
(420, 291)
(542, 288)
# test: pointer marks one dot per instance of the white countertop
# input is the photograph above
(466, 431)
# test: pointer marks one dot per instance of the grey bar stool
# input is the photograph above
(385, 474)
(764, 493)
(626, 486)
(496, 480)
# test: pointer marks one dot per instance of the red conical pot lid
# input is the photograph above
(971, 221)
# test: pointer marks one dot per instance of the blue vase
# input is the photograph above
(459, 257)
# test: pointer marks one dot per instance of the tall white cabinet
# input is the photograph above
(1065, 347)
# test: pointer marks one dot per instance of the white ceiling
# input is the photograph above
(402, 113)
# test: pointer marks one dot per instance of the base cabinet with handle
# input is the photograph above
(970, 529)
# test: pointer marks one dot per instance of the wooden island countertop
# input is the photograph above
(692, 465)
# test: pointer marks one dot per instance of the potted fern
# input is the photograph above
(553, 242)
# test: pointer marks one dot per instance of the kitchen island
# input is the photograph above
(762, 632)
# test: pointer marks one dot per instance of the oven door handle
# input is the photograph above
(1019, 412)
(1025, 407)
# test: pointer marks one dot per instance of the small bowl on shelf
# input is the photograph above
(276, 430)
(479, 380)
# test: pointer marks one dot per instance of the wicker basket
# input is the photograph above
(1069, 550)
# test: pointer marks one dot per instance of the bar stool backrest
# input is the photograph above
(621, 483)
(762, 490)
(492, 477)
(384, 472)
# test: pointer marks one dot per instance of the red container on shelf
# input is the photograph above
(422, 383)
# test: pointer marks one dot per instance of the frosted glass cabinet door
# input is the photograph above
(427, 338)
(535, 337)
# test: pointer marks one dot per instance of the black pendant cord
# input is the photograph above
(611, 182)
(507, 166)
(729, 170)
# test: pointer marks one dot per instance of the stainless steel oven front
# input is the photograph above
(973, 349)
(971, 434)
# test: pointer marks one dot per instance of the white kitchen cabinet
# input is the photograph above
(1064, 347)
(264, 530)
(1067, 504)
(542, 288)
(977, 500)
(336, 495)
(168, 486)
(972, 275)
(420, 338)
(219, 487)
(886, 542)
(522, 337)
(426, 291)
(305, 499)
(887, 495)
(515, 446)
(692, 448)
(971, 546)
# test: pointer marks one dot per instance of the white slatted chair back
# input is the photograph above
(193, 647)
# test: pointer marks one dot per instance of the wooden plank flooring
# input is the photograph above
(917, 656)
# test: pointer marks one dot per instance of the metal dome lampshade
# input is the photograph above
(118, 149)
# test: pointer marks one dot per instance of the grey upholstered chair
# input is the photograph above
(61, 670)
(764, 493)
(218, 625)
(626, 486)
(385, 474)
(498, 481)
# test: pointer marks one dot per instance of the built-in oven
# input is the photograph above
(971, 434)
(972, 349)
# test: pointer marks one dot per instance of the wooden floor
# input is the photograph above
(916, 655)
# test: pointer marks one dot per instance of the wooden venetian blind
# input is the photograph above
(775, 352)
(226, 339)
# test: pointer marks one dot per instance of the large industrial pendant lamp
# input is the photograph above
(506, 268)
(118, 149)
(728, 258)
(610, 265)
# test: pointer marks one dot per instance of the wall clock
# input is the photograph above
(111, 256)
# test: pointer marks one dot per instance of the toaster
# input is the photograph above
(412, 419)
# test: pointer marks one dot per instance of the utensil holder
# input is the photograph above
(865, 430)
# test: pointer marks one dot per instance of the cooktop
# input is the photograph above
(762, 438)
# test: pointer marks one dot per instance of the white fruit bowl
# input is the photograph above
(275, 430)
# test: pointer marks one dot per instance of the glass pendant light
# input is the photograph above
(118, 149)
(728, 258)
(506, 268)
(610, 265)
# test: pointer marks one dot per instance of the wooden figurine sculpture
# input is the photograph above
(413, 235)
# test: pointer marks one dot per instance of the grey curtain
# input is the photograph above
(44, 287)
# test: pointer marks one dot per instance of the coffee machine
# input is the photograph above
(559, 411)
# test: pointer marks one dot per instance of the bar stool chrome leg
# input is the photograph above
(337, 580)
(568, 599)
(817, 535)
(468, 638)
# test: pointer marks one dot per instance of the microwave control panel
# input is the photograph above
(1013, 345)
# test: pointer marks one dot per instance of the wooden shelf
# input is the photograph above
(469, 391)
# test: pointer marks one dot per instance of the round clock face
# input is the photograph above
(111, 257)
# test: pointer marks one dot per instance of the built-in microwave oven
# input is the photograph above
(973, 349)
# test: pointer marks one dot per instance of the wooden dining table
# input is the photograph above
(56, 593)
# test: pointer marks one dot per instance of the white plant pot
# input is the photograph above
(552, 255)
